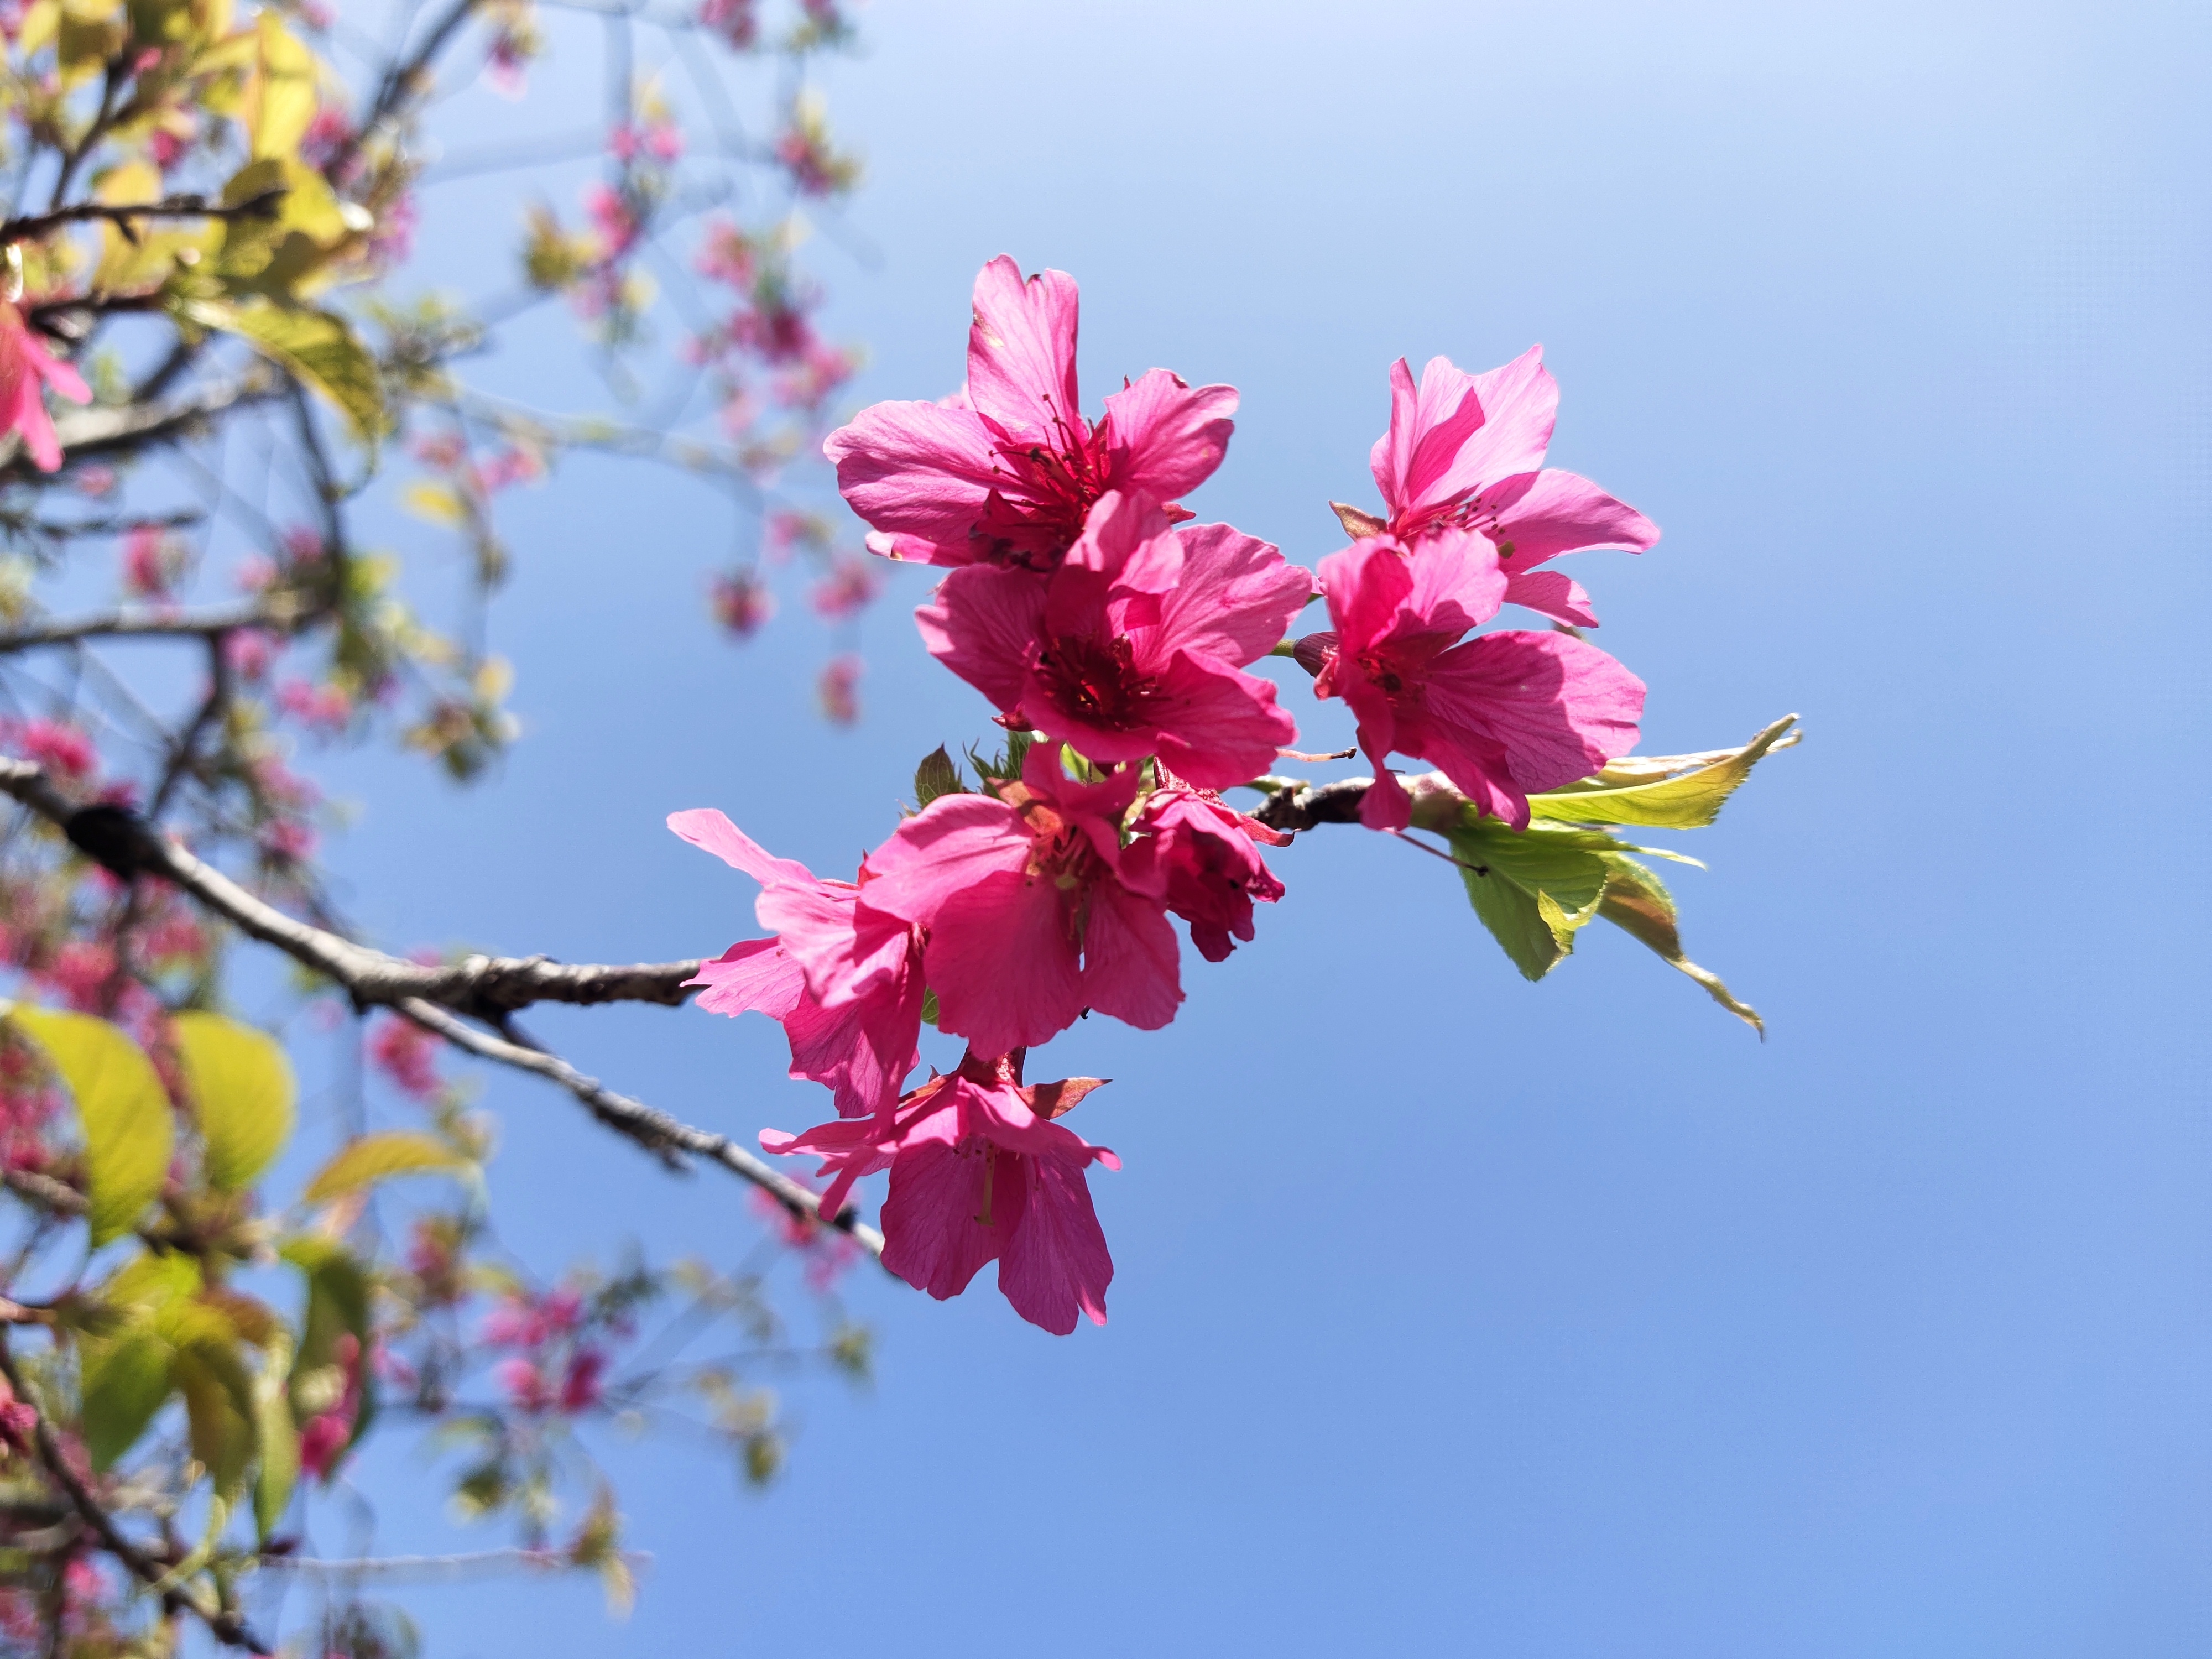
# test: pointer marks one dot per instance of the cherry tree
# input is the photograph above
(212, 352)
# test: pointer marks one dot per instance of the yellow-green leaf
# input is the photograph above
(1532, 888)
(319, 348)
(123, 1380)
(436, 502)
(280, 104)
(372, 1158)
(243, 1090)
(1637, 902)
(280, 1441)
(128, 1132)
(1690, 800)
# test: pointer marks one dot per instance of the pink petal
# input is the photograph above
(1548, 593)
(1166, 437)
(1056, 1263)
(1122, 525)
(933, 1237)
(1365, 585)
(1520, 403)
(919, 470)
(1130, 963)
(1558, 707)
(981, 625)
(710, 830)
(1216, 726)
(755, 975)
(1002, 964)
(1021, 350)
(61, 377)
(1540, 515)
(1457, 584)
(1235, 596)
(936, 857)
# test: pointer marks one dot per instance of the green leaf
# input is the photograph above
(128, 1132)
(280, 99)
(123, 1382)
(243, 1090)
(218, 1386)
(319, 348)
(937, 775)
(338, 1306)
(1532, 889)
(1627, 793)
(1637, 902)
(279, 1447)
(382, 1157)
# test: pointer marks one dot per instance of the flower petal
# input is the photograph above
(1056, 1264)
(713, 832)
(1021, 350)
(1166, 437)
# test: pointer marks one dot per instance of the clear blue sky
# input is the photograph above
(1456, 1314)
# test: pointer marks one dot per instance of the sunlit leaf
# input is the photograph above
(320, 349)
(938, 774)
(128, 1132)
(1532, 889)
(279, 1438)
(1637, 902)
(280, 99)
(123, 1381)
(243, 1091)
(382, 1157)
(1687, 801)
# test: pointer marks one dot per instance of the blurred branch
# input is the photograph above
(142, 622)
(265, 205)
(222, 1623)
(114, 427)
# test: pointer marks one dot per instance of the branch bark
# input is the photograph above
(266, 205)
(486, 988)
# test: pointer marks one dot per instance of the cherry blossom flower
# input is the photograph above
(1135, 645)
(26, 369)
(1005, 471)
(838, 688)
(407, 1055)
(1503, 715)
(980, 1173)
(1468, 451)
(1032, 914)
(1209, 855)
(843, 979)
(851, 584)
(742, 603)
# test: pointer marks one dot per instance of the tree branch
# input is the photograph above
(266, 205)
(225, 1625)
(145, 622)
(483, 988)
(650, 1128)
(86, 432)
(488, 989)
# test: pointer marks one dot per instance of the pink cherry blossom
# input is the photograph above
(1503, 716)
(1135, 645)
(1468, 451)
(1209, 855)
(1031, 912)
(980, 1173)
(1005, 471)
(843, 979)
(26, 369)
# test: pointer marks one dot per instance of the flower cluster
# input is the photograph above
(1115, 637)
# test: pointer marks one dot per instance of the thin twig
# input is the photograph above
(225, 1625)
(650, 1128)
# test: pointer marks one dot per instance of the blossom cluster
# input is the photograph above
(1115, 637)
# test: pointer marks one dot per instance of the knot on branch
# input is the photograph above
(116, 838)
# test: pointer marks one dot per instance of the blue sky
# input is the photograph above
(1453, 1311)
